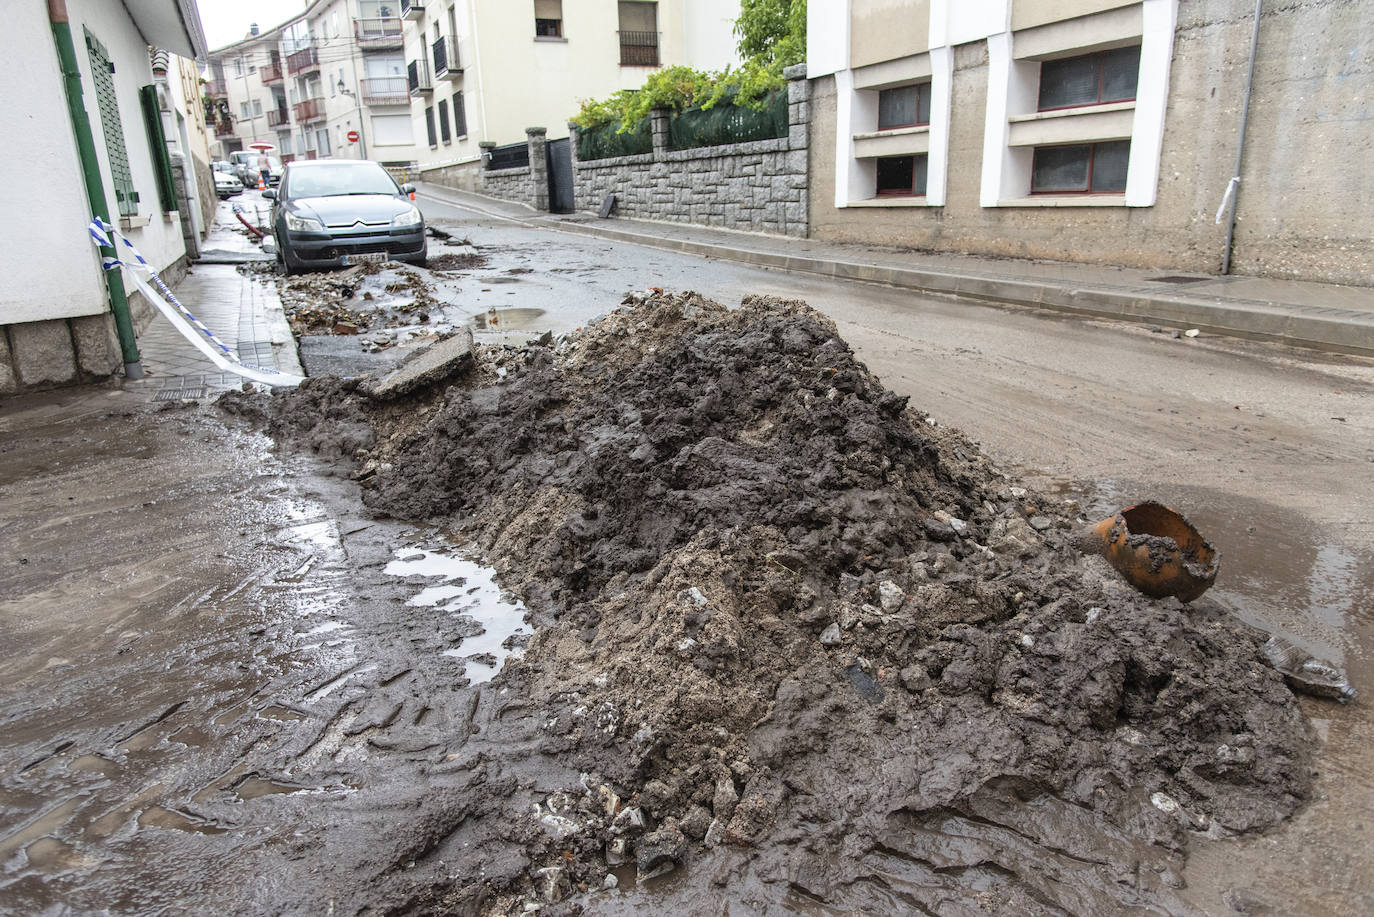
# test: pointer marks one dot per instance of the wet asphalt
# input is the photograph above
(197, 624)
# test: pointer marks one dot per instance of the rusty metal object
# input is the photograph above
(1156, 550)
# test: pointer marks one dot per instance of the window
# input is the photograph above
(1082, 168)
(638, 34)
(245, 111)
(257, 108)
(905, 106)
(1093, 79)
(238, 66)
(460, 116)
(429, 126)
(902, 176)
(443, 122)
(323, 137)
(548, 18)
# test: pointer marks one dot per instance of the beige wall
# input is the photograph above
(883, 30)
(1027, 14)
(1302, 213)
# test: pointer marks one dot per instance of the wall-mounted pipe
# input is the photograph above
(1233, 187)
(95, 185)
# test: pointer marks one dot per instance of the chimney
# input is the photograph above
(253, 29)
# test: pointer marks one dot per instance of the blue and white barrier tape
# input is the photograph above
(103, 235)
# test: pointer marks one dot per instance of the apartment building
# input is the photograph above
(484, 70)
(328, 83)
(1094, 130)
(421, 83)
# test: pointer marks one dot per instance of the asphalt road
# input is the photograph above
(1269, 450)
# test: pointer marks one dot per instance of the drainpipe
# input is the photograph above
(1233, 187)
(95, 187)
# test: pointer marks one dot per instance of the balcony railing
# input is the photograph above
(446, 59)
(412, 9)
(278, 117)
(309, 110)
(639, 49)
(271, 72)
(386, 90)
(378, 34)
(417, 76)
(216, 88)
(224, 128)
(303, 61)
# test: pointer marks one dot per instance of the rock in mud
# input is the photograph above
(1307, 674)
(661, 851)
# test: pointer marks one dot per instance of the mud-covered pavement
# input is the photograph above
(318, 776)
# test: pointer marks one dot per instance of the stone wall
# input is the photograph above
(1303, 214)
(758, 186)
(525, 184)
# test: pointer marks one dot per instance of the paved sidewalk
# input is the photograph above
(1328, 317)
(242, 312)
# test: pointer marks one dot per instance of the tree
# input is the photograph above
(772, 32)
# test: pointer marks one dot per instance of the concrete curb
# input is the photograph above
(1331, 330)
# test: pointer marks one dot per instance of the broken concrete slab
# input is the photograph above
(438, 361)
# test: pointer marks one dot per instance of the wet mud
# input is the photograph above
(795, 647)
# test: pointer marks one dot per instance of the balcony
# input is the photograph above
(306, 60)
(278, 118)
(224, 128)
(638, 49)
(271, 72)
(386, 90)
(378, 34)
(414, 10)
(216, 88)
(309, 110)
(417, 77)
(446, 60)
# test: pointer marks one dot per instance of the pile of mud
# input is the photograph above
(784, 616)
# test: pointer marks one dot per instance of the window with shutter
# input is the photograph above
(102, 70)
(460, 115)
(157, 144)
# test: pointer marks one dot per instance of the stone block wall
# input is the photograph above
(42, 355)
(759, 186)
(525, 184)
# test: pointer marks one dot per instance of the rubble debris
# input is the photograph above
(676, 448)
(437, 362)
(1156, 549)
(1307, 674)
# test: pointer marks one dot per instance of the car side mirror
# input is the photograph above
(408, 188)
(270, 194)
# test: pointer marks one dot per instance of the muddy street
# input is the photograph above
(686, 613)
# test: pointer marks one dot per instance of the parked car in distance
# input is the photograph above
(245, 163)
(338, 212)
(227, 184)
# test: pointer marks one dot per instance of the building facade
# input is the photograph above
(422, 83)
(1095, 130)
(99, 133)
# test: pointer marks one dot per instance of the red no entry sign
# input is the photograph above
(352, 136)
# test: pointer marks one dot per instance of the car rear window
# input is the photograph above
(351, 178)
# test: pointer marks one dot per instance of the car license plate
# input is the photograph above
(365, 258)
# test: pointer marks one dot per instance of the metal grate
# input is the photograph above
(180, 394)
(511, 156)
(102, 70)
(1176, 278)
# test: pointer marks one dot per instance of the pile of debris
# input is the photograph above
(782, 612)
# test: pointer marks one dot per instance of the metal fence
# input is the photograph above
(726, 122)
(511, 156)
(606, 141)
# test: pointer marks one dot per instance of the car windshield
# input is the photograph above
(345, 178)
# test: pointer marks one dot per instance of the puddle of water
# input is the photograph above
(258, 787)
(506, 319)
(468, 589)
(93, 764)
(325, 628)
(281, 714)
(158, 817)
(51, 855)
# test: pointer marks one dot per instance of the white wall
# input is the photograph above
(160, 240)
(48, 267)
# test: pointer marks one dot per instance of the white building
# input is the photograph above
(107, 141)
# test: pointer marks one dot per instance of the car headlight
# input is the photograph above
(410, 218)
(302, 224)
